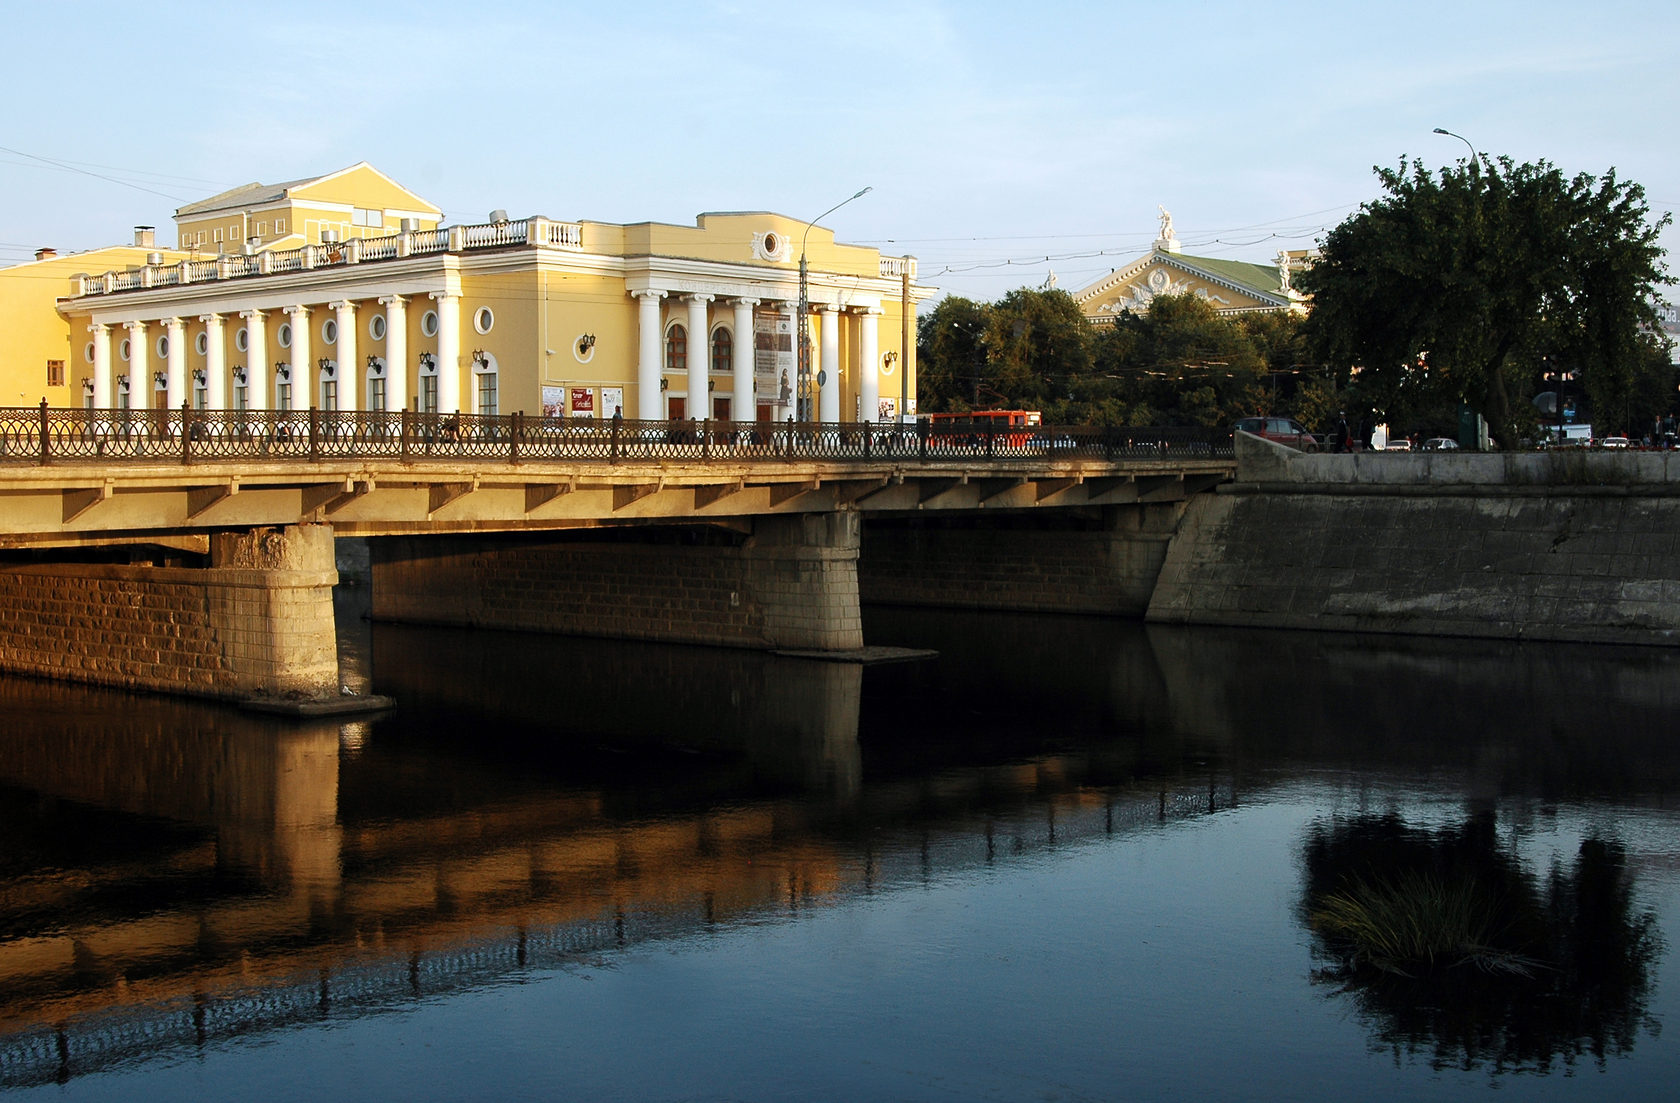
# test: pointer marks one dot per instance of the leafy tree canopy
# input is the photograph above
(1462, 285)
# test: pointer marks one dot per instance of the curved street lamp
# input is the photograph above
(1475, 158)
(804, 309)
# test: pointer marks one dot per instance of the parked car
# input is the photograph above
(1400, 445)
(1613, 442)
(1440, 444)
(1283, 430)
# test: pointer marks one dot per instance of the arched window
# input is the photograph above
(676, 349)
(723, 352)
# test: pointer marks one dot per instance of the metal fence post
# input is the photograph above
(617, 423)
(513, 436)
(186, 431)
(705, 438)
(46, 437)
(405, 428)
(314, 435)
(868, 435)
(922, 437)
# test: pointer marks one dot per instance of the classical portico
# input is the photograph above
(706, 316)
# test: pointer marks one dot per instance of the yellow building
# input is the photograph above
(359, 201)
(37, 349)
(1229, 286)
(563, 318)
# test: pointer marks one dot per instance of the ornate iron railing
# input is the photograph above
(44, 435)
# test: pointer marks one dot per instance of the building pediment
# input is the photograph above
(1228, 286)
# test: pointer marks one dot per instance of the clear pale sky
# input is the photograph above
(995, 135)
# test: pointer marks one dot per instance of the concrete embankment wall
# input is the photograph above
(256, 624)
(1561, 546)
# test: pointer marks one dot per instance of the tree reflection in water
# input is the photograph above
(1449, 946)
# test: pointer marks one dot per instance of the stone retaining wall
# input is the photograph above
(1568, 546)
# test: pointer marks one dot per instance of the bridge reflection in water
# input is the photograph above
(524, 811)
(177, 874)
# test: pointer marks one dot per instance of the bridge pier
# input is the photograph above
(255, 626)
(786, 581)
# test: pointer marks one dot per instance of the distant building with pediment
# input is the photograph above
(1229, 286)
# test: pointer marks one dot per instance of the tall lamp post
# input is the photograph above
(805, 396)
(1475, 158)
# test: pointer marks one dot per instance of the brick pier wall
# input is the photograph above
(257, 623)
(791, 583)
(1566, 546)
(1102, 560)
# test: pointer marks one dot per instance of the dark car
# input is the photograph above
(1283, 430)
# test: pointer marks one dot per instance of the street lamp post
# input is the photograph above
(805, 396)
(1475, 158)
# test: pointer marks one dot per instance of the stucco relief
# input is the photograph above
(770, 245)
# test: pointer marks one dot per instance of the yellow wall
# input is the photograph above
(33, 332)
(306, 213)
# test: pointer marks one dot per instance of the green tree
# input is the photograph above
(950, 354)
(1454, 285)
(1184, 363)
(1038, 344)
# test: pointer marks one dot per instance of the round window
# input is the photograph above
(284, 336)
(329, 331)
(163, 346)
(376, 327)
(124, 349)
(88, 352)
(428, 324)
(771, 244)
(483, 320)
(202, 344)
(242, 339)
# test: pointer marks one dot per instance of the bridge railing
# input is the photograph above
(44, 435)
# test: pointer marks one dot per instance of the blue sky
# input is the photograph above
(995, 135)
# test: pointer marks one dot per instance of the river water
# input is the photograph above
(1067, 859)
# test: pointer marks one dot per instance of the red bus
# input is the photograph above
(1011, 427)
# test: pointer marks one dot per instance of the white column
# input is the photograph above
(349, 398)
(306, 388)
(215, 362)
(745, 405)
(869, 363)
(699, 356)
(449, 351)
(828, 395)
(396, 352)
(256, 358)
(101, 366)
(788, 405)
(139, 379)
(650, 351)
(175, 361)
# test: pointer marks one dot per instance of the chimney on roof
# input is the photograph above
(46, 253)
(145, 237)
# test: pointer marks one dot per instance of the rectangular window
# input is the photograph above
(428, 394)
(283, 396)
(216, 234)
(487, 393)
(376, 394)
(363, 216)
(262, 228)
(279, 225)
(329, 394)
(241, 397)
(201, 398)
(55, 373)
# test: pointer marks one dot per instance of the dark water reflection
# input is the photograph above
(1128, 809)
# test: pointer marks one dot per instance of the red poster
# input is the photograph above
(583, 402)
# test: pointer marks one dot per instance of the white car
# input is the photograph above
(1613, 442)
(1401, 445)
(1440, 444)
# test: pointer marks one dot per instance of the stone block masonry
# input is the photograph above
(257, 624)
(790, 583)
(1101, 560)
